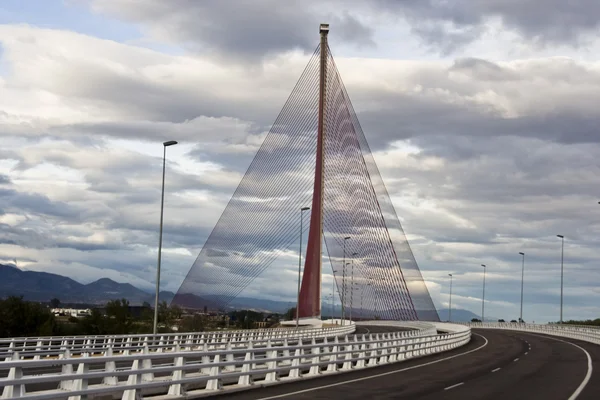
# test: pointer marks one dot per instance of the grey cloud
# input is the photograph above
(239, 29)
(37, 204)
(483, 70)
(5, 179)
(547, 22)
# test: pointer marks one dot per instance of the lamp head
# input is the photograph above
(560, 236)
(169, 143)
(347, 237)
(483, 265)
(305, 208)
(521, 253)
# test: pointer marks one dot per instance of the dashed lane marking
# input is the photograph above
(497, 369)
(516, 359)
(585, 381)
(453, 386)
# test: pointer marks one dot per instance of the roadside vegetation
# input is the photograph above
(20, 318)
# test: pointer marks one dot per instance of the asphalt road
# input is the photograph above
(494, 365)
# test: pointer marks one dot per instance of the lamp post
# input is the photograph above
(562, 254)
(344, 283)
(483, 297)
(450, 302)
(522, 279)
(162, 203)
(300, 264)
(352, 286)
(333, 271)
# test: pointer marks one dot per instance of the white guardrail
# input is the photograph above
(48, 347)
(180, 368)
(580, 332)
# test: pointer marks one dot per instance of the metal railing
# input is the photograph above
(53, 347)
(189, 373)
(580, 332)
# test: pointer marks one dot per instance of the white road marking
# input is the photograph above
(585, 381)
(497, 369)
(378, 375)
(526, 352)
(516, 359)
(453, 386)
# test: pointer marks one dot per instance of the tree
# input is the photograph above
(195, 323)
(21, 318)
(475, 320)
(55, 303)
(119, 316)
(290, 314)
(95, 324)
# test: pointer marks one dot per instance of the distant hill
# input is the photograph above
(459, 315)
(43, 286)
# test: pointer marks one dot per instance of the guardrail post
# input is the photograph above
(229, 358)
(176, 389)
(246, 379)
(315, 368)
(109, 366)
(80, 383)
(11, 391)
(373, 355)
(332, 365)
(147, 364)
(134, 379)
(286, 352)
(127, 345)
(205, 360)
(38, 348)
(295, 370)
(383, 359)
(347, 365)
(215, 373)
(10, 351)
(271, 353)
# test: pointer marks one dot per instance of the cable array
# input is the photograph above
(261, 220)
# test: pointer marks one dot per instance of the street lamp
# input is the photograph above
(300, 264)
(352, 286)
(450, 302)
(522, 279)
(333, 271)
(483, 297)
(562, 254)
(344, 283)
(162, 202)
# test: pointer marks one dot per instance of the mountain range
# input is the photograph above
(44, 286)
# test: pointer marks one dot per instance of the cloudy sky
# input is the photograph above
(482, 115)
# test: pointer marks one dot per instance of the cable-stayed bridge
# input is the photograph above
(315, 157)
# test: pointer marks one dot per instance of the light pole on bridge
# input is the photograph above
(522, 280)
(562, 254)
(352, 286)
(344, 282)
(300, 265)
(162, 203)
(450, 302)
(483, 297)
